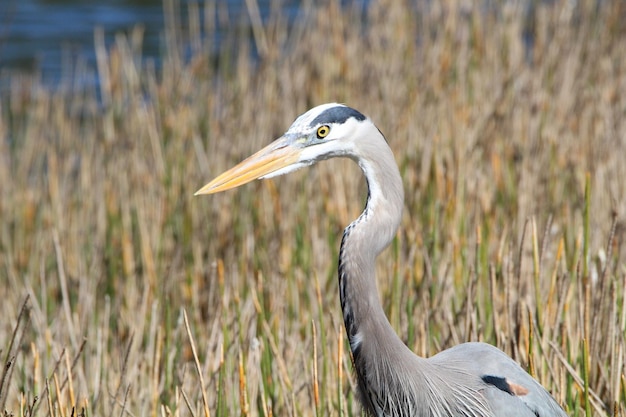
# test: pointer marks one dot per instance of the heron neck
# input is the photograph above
(362, 241)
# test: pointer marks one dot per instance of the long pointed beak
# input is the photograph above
(278, 154)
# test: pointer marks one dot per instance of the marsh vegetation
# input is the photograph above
(509, 128)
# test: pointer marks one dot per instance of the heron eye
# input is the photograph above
(323, 131)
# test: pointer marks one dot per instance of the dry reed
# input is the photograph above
(513, 163)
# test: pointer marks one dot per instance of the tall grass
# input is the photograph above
(513, 165)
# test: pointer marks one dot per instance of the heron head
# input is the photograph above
(325, 131)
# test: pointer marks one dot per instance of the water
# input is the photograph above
(50, 36)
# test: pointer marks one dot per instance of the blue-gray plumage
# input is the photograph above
(470, 379)
(336, 115)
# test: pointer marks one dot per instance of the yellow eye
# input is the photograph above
(323, 131)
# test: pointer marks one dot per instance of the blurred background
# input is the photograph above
(507, 120)
(52, 37)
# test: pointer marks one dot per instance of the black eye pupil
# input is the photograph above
(323, 131)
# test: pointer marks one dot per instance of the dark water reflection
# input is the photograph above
(51, 36)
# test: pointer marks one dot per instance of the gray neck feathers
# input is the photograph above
(392, 380)
(367, 236)
(375, 346)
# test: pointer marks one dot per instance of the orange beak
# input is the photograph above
(277, 155)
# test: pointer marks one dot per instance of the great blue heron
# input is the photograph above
(470, 379)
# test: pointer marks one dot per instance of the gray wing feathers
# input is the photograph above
(506, 387)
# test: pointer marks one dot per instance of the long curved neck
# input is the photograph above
(363, 240)
(378, 353)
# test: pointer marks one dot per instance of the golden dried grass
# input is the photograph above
(512, 160)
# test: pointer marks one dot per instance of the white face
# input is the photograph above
(326, 131)
(323, 132)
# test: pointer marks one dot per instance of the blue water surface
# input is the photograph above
(51, 36)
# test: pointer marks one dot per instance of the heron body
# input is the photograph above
(470, 379)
